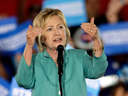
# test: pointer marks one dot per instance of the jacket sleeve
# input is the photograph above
(25, 74)
(95, 67)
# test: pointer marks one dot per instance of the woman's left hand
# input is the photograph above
(91, 29)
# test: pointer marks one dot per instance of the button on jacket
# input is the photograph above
(42, 76)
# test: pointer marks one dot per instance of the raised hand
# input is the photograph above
(31, 35)
(91, 29)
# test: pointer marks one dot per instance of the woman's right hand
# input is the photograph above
(31, 35)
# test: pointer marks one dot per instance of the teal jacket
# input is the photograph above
(42, 76)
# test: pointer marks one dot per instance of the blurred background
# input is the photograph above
(111, 19)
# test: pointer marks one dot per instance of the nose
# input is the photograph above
(56, 31)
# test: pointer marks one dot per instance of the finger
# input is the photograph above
(33, 30)
(88, 27)
(87, 30)
(30, 27)
(34, 34)
(92, 20)
(86, 24)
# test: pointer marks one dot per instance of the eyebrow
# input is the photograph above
(57, 25)
(60, 24)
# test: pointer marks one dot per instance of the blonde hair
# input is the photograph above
(42, 19)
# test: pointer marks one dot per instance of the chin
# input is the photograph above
(57, 44)
(62, 44)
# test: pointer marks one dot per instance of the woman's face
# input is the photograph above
(54, 33)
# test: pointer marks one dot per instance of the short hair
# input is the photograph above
(42, 19)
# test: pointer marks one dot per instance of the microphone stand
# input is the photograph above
(60, 60)
(60, 72)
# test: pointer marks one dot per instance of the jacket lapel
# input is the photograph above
(49, 67)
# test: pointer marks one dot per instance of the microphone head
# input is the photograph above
(60, 47)
(60, 59)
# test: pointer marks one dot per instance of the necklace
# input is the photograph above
(54, 59)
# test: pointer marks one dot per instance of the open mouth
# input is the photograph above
(58, 40)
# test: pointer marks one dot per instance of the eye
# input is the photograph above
(49, 29)
(60, 27)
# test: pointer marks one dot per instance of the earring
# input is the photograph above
(41, 41)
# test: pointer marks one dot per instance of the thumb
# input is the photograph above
(92, 20)
(30, 27)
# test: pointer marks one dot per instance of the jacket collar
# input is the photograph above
(45, 53)
(66, 55)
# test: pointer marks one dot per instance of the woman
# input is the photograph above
(39, 72)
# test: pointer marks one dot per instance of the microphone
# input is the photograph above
(60, 59)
